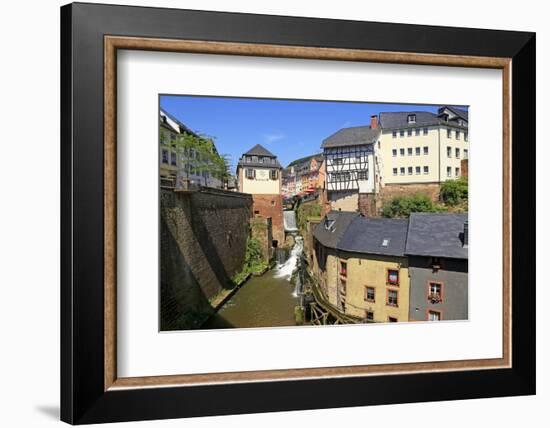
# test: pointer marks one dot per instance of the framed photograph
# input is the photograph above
(267, 213)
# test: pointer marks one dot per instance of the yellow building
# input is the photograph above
(419, 147)
(361, 266)
(259, 173)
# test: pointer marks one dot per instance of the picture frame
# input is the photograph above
(91, 391)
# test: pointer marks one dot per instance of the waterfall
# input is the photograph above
(286, 269)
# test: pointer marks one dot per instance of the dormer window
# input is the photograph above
(328, 224)
(411, 118)
(385, 242)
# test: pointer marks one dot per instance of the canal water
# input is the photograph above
(264, 301)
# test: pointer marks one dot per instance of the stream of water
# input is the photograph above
(264, 301)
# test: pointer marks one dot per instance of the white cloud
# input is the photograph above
(273, 137)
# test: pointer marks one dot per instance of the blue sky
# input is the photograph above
(290, 129)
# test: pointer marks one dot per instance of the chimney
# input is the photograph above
(465, 235)
(374, 121)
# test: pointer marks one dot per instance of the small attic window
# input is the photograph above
(411, 118)
(385, 242)
(329, 224)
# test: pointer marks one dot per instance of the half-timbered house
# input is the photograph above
(350, 165)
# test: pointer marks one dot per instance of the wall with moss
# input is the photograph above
(203, 239)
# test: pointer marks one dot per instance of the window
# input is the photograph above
(435, 292)
(392, 319)
(448, 171)
(426, 150)
(465, 153)
(409, 132)
(465, 135)
(337, 161)
(393, 277)
(395, 171)
(417, 132)
(425, 131)
(411, 118)
(394, 152)
(392, 298)
(274, 174)
(417, 170)
(457, 172)
(261, 160)
(343, 268)
(417, 151)
(457, 153)
(449, 133)
(449, 151)
(402, 171)
(369, 316)
(402, 152)
(164, 156)
(255, 159)
(402, 133)
(410, 170)
(328, 223)
(434, 316)
(457, 135)
(394, 134)
(362, 175)
(370, 294)
(409, 151)
(426, 170)
(248, 159)
(173, 159)
(250, 173)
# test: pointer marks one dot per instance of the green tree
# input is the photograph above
(198, 154)
(453, 192)
(403, 206)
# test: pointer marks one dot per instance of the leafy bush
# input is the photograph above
(306, 210)
(253, 261)
(403, 206)
(454, 192)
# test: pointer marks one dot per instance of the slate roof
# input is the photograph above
(367, 235)
(259, 150)
(422, 234)
(331, 237)
(398, 120)
(351, 137)
(437, 235)
(463, 114)
(175, 124)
